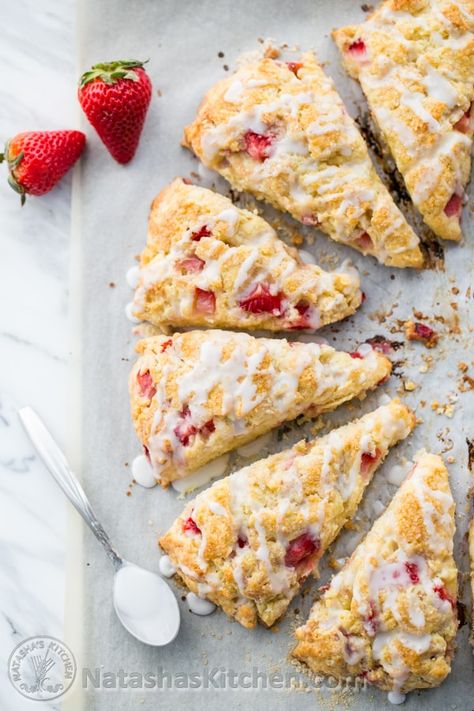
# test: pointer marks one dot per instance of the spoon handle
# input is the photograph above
(59, 469)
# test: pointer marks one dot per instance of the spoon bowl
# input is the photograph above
(145, 605)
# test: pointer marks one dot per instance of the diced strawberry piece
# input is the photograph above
(442, 593)
(310, 220)
(147, 386)
(191, 264)
(166, 344)
(190, 526)
(261, 301)
(363, 242)
(294, 67)
(258, 146)
(464, 123)
(205, 301)
(242, 542)
(368, 460)
(146, 452)
(184, 431)
(204, 231)
(453, 207)
(185, 412)
(413, 572)
(207, 429)
(300, 549)
(356, 354)
(424, 331)
(363, 296)
(304, 311)
(358, 50)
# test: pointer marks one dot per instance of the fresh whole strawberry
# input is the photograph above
(37, 160)
(115, 97)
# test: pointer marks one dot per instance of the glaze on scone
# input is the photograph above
(208, 263)
(389, 615)
(415, 62)
(282, 133)
(248, 542)
(197, 395)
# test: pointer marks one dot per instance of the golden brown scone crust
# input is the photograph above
(390, 614)
(197, 395)
(415, 62)
(248, 542)
(199, 241)
(286, 137)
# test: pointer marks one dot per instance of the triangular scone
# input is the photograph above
(208, 263)
(389, 616)
(415, 62)
(249, 541)
(200, 394)
(281, 132)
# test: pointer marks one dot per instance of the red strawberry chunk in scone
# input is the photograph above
(205, 301)
(294, 67)
(147, 386)
(166, 345)
(261, 301)
(304, 319)
(184, 431)
(413, 572)
(364, 242)
(300, 549)
(443, 594)
(191, 264)
(190, 526)
(358, 50)
(204, 231)
(258, 145)
(464, 123)
(368, 460)
(453, 207)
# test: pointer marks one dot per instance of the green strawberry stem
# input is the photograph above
(12, 164)
(111, 72)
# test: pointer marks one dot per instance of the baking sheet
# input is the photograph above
(183, 41)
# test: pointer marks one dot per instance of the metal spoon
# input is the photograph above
(143, 601)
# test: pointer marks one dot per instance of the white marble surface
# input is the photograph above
(37, 90)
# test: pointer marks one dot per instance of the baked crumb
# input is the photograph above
(416, 331)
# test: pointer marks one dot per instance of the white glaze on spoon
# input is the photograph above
(253, 448)
(145, 605)
(167, 568)
(129, 313)
(133, 277)
(142, 472)
(202, 476)
(198, 605)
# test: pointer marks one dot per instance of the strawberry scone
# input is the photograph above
(389, 616)
(248, 542)
(414, 60)
(281, 132)
(197, 395)
(208, 263)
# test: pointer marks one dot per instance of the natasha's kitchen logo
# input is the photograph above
(42, 668)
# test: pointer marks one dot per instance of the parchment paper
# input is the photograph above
(182, 40)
